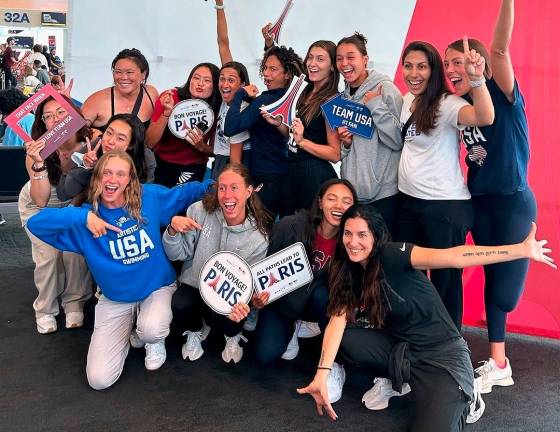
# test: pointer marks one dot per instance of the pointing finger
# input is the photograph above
(466, 45)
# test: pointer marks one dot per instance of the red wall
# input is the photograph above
(536, 59)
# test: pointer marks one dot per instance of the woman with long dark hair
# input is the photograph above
(57, 274)
(182, 160)
(317, 143)
(124, 132)
(386, 316)
(435, 202)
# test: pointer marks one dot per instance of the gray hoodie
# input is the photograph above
(372, 165)
(196, 246)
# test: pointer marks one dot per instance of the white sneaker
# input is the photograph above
(233, 351)
(155, 355)
(377, 397)
(308, 330)
(135, 341)
(250, 323)
(46, 324)
(292, 349)
(477, 406)
(335, 382)
(192, 348)
(74, 320)
(489, 375)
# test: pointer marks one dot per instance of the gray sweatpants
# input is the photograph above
(113, 325)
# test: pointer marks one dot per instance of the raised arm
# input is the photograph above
(40, 188)
(222, 31)
(162, 110)
(318, 387)
(470, 255)
(502, 69)
(481, 112)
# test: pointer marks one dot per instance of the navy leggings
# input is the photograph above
(275, 329)
(499, 220)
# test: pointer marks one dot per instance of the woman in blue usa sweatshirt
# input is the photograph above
(126, 257)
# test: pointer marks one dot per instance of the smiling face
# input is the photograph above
(274, 74)
(115, 179)
(358, 240)
(229, 84)
(201, 84)
(318, 65)
(352, 64)
(455, 71)
(416, 72)
(127, 76)
(53, 112)
(336, 200)
(117, 136)
(233, 194)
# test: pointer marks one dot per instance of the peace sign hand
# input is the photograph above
(474, 62)
(90, 157)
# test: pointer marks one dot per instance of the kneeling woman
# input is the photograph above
(230, 219)
(395, 316)
(126, 258)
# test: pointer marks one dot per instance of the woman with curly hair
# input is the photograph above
(118, 232)
(238, 222)
(269, 150)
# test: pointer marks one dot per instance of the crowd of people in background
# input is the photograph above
(139, 197)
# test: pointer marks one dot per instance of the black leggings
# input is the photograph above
(170, 174)
(189, 309)
(274, 329)
(503, 219)
(438, 224)
(389, 208)
(440, 404)
(305, 178)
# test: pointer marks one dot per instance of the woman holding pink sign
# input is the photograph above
(57, 274)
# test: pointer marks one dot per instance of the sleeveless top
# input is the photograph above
(135, 109)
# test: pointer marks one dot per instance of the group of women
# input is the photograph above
(375, 307)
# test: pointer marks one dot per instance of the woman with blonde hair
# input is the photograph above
(125, 255)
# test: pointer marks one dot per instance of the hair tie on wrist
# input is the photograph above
(477, 83)
(219, 7)
(323, 368)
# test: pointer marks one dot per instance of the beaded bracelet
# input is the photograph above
(219, 7)
(40, 177)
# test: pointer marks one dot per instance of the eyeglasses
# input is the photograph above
(59, 113)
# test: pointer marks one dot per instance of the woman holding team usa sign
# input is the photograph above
(231, 218)
(118, 232)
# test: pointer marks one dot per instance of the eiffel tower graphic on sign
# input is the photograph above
(277, 26)
(214, 283)
(285, 107)
(272, 280)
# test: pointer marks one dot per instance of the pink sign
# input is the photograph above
(60, 133)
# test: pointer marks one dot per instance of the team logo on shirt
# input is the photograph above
(411, 132)
(131, 245)
(473, 139)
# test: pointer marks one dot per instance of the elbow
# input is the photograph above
(487, 119)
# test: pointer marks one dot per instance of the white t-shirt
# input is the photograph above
(429, 168)
(37, 56)
(222, 142)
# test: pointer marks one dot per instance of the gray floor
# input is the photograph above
(43, 385)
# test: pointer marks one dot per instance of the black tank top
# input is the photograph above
(135, 109)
